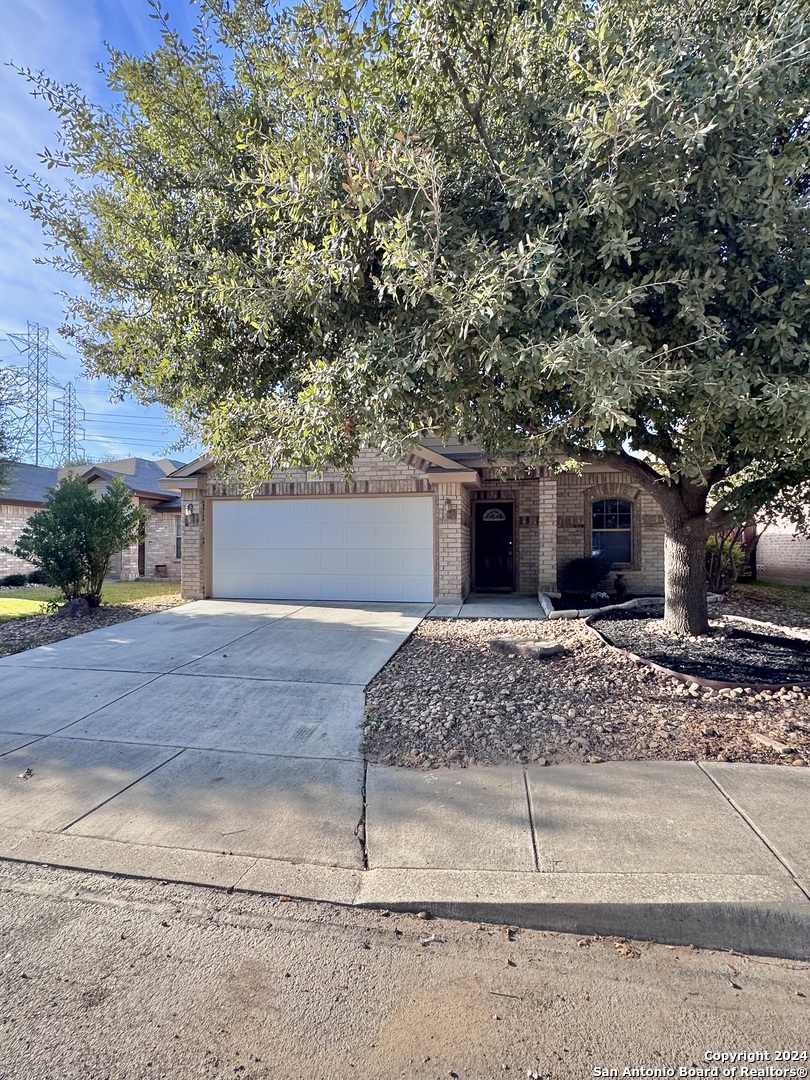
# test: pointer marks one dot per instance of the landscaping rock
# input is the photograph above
(78, 608)
(28, 632)
(448, 698)
(773, 744)
(512, 645)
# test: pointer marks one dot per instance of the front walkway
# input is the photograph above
(490, 606)
(217, 744)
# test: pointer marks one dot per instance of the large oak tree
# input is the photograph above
(573, 228)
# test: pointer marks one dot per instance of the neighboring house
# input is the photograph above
(428, 528)
(783, 555)
(25, 491)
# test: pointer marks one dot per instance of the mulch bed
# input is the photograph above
(447, 699)
(732, 654)
(30, 631)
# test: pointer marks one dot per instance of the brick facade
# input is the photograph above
(783, 556)
(193, 550)
(552, 515)
(161, 544)
(13, 519)
(159, 549)
(452, 542)
(576, 494)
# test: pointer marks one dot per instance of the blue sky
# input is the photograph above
(65, 39)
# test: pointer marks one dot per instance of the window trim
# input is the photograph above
(627, 494)
(625, 530)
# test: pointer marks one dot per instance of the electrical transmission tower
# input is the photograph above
(34, 437)
(68, 416)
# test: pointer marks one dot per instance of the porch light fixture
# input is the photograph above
(189, 510)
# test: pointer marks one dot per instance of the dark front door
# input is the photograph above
(494, 545)
(141, 559)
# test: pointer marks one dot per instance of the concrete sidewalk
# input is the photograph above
(713, 855)
(217, 744)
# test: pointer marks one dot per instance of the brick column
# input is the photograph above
(452, 543)
(129, 564)
(192, 548)
(547, 528)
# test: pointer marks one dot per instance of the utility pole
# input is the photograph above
(68, 413)
(34, 435)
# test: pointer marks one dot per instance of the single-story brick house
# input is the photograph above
(432, 527)
(23, 493)
(26, 489)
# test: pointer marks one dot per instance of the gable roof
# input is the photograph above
(141, 475)
(432, 456)
(27, 483)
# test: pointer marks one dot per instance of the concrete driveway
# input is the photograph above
(217, 727)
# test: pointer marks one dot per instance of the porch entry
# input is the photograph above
(494, 546)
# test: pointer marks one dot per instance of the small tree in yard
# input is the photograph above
(74, 537)
(573, 228)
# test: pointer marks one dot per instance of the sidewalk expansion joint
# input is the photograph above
(104, 802)
(360, 827)
(755, 831)
(532, 832)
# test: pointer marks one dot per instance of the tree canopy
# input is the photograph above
(569, 228)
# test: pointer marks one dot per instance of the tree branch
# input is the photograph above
(473, 111)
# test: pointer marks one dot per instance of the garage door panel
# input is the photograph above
(324, 549)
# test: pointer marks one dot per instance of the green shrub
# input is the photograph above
(38, 577)
(725, 560)
(74, 537)
(584, 576)
(15, 580)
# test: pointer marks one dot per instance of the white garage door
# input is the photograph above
(323, 549)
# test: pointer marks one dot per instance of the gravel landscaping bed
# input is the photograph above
(446, 698)
(28, 632)
(736, 654)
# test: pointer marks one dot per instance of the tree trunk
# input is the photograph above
(686, 611)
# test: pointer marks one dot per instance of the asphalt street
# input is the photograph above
(120, 979)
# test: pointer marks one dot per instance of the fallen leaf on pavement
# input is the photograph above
(624, 948)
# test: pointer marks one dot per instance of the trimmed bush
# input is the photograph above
(14, 580)
(38, 577)
(584, 576)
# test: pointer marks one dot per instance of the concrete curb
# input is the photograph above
(585, 613)
(705, 911)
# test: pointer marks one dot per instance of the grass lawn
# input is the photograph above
(114, 592)
(14, 608)
(795, 597)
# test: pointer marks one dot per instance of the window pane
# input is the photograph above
(613, 546)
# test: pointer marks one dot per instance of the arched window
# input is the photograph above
(612, 529)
